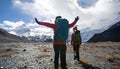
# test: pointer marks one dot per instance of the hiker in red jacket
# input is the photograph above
(75, 42)
(59, 46)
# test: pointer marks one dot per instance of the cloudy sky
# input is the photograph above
(17, 16)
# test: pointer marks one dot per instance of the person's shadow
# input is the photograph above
(88, 66)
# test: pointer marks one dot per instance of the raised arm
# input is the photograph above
(45, 23)
(74, 22)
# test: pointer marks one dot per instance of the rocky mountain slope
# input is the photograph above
(7, 37)
(112, 34)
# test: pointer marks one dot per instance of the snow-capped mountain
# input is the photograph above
(41, 33)
(22, 30)
(8, 37)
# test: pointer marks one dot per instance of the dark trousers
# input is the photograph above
(76, 51)
(60, 50)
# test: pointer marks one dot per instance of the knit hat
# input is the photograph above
(75, 28)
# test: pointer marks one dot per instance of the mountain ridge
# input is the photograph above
(8, 37)
(112, 34)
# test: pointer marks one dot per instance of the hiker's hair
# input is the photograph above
(58, 17)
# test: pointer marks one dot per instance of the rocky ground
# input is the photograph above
(104, 55)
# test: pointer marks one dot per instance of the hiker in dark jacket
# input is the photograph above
(75, 42)
(59, 46)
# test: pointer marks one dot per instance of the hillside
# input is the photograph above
(112, 34)
(6, 37)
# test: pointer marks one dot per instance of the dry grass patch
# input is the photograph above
(69, 49)
(42, 56)
(114, 58)
(44, 49)
(103, 56)
(89, 50)
(108, 42)
(7, 52)
(85, 60)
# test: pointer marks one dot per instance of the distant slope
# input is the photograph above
(7, 37)
(112, 34)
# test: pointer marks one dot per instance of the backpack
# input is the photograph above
(77, 37)
(61, 32)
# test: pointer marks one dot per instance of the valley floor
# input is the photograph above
(101, 55)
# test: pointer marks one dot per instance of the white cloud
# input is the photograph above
(103, 11)
(98, 16)
(26, 29)
(49, 8)
(13, 24)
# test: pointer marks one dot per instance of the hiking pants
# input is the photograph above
(76, 52)
(60, 50)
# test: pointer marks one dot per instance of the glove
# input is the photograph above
(36, 20)
(77, 18)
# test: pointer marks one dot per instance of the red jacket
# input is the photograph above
(53, 26)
